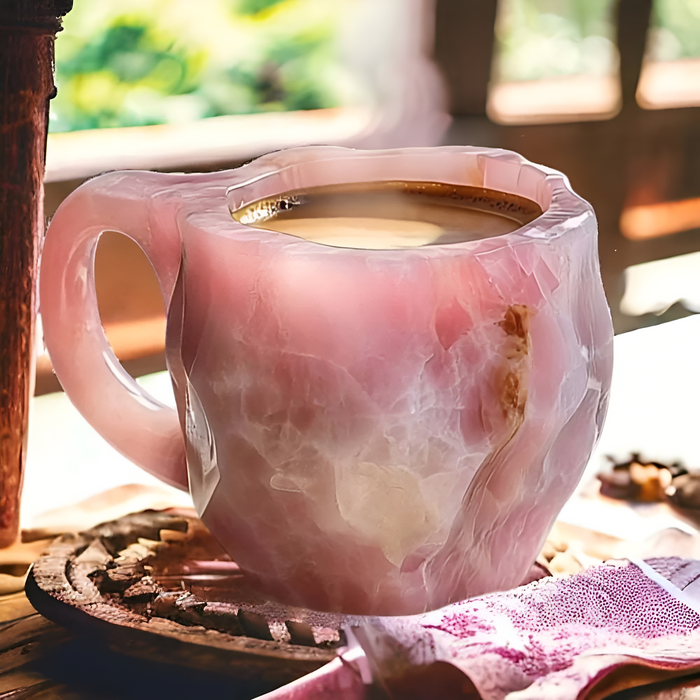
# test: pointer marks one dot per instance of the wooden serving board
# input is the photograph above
(157, 586)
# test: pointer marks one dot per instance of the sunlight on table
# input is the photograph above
(69, 462)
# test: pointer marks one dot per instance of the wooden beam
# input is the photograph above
(464, 40)
(632, 27)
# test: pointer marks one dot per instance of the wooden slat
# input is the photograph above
(207, 143)
(555, 100)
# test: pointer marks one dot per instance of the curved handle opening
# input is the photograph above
(139, 426)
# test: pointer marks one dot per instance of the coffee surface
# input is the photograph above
(386, 215)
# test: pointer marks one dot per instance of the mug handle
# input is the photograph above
(142, 206)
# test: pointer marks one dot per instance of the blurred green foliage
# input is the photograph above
(540, 38)
(143, 62)
(252, 7)
(677, 29)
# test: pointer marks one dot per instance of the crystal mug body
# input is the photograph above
(365, 431)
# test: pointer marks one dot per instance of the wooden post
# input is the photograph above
(27, 33)
(633, 19)
(464, 41)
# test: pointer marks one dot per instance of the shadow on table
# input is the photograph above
(86, 670)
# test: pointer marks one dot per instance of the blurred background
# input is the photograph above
(608, 91)
(149, 62)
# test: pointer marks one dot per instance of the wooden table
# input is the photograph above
(41, 660)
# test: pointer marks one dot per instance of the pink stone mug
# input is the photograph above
(367, 431)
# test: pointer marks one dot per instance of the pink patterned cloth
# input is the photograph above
(554, 638)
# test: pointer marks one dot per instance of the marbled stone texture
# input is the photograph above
(366, 431)
(385, 432)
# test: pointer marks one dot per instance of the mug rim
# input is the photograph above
(276, 173)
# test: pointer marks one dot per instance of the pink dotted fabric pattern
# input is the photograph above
(554, 638)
